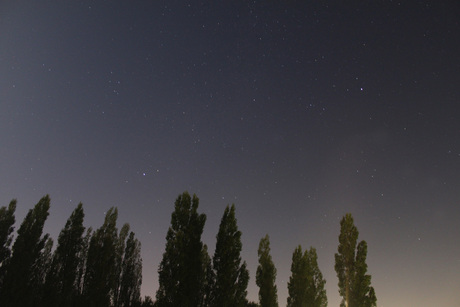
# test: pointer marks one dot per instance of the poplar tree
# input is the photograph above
(18, 287)
(306, 284)
(7, 221)
(100, 277)
(231, 276)
(131, 274)
(316, 294)
(266, 275)
(181, 271)
(298, 282)
(62, 281)
(350, 265)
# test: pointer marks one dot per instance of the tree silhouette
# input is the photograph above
(351, 268)
(316, 294)
(298, 282)
(306, 284)
(7, 221)
(181, 272)
(62, 279)
(266, 275)
(100, 278)
(131, 274)
(231, 277)
(104, 267)
(18, 287)
(100, 269)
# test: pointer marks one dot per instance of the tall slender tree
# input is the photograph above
(7, 221)
(181, 273)
(18, 287)
(365, 294)
(351, 267)
(100, 277)
(306, 284)
(298, 282)
(131, 274)
(231, 276)
(62, 280)
(316, 294)
(266, 275)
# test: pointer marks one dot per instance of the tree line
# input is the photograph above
(103, 267)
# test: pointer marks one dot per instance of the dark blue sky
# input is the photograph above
(297, 112)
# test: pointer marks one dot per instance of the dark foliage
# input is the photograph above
(306, 284)
(7, 221)
(61, 288)
(231, 276)
(19, 286)
(182, 271)
(350, 265)
(266, 275)
(104, 267)
(131, 274)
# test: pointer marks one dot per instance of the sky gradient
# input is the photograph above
(295, 111)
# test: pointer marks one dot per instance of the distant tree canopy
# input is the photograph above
(104, 267)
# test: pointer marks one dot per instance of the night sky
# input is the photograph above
(296, 111)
